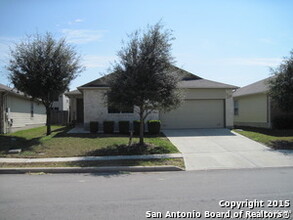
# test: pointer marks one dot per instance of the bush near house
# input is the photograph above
(283, 122)
(123, 127)
(154, 126)
(94, 126)
(108, 127)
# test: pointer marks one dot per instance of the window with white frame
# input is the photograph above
(236, 107)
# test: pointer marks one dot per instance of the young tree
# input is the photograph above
(143, 76)
(42, 67)
(281, 85)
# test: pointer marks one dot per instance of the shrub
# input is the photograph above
(108, 127)
(94, 126)
(72, 123)
(283, 122)
(154, 126)
(136, 125)
(123, 127)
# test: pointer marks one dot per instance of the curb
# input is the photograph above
(91, 158)
(89, 169)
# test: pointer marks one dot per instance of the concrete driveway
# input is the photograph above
(222, 149)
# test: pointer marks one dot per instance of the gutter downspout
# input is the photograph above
(269, 117)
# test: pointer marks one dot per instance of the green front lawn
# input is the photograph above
(34, 143)
(277, 139)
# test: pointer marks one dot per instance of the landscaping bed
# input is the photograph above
(276, 139)
(35, 144)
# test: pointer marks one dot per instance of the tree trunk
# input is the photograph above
(141, 130)
(48, 122)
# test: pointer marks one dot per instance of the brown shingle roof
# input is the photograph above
(204, 84)
(11, 90)
(254, 88)
(187, 80)
(72, 93)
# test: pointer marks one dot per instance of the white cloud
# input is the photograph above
(78, 20)
(270, 62)
(93, 61)
(80, 36)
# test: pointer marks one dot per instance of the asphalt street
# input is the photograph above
(131, 195)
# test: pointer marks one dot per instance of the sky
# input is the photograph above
(229, 41)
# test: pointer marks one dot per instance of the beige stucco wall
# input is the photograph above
(204, 93)
(20, 113)
(95, 109)
(253, 111)
(229, 105)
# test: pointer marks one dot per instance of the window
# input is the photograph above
(127, 110)
(236, 107)
(32, 109)
(119, 110)
(112, 109)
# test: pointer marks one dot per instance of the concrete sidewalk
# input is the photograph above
(90, 158)
(204, 149)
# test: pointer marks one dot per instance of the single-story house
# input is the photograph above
(18, 111)
(206, 104)
(253, 106)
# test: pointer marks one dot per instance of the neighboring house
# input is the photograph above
(18, 111)
(253, 107)
(61, 103)
(206, 104)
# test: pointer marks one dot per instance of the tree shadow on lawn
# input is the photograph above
(134, 149)
(270, 132)
(13, 142)
(63, 133)
(8, 142)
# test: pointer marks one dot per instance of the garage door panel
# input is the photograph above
(195, 114)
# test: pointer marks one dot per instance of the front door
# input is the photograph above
(79, 110)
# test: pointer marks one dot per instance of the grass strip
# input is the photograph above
(276, 139)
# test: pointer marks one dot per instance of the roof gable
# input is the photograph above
(254, 88)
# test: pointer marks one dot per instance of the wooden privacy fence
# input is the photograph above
(59, 117)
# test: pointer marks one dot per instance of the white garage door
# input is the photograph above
(195, 114)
